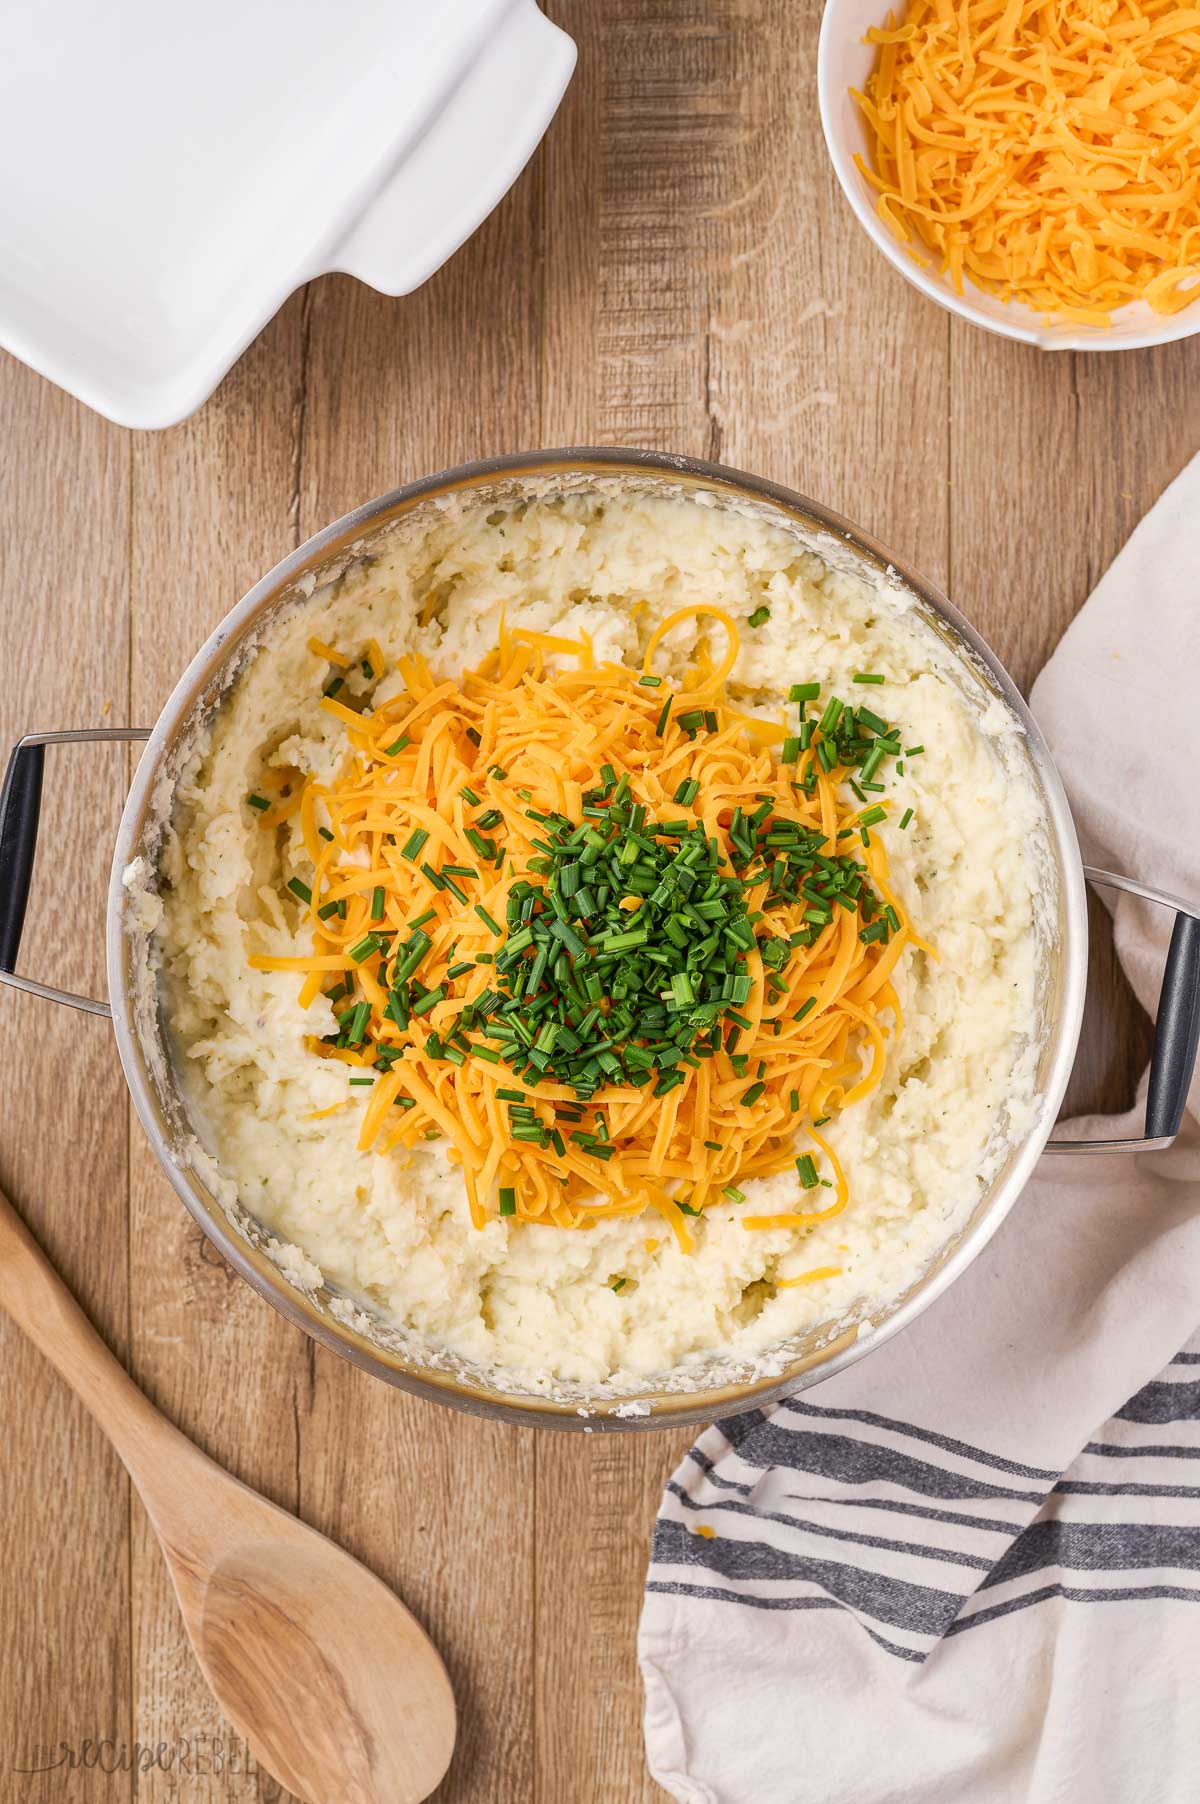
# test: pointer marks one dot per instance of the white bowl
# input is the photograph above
(845, 62)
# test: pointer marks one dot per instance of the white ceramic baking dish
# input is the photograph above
(706, 1389)
(174, 173)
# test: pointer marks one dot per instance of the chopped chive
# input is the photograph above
(905, 818)
(759, 617)
(299, 889)
(365, 948)
(661, 728)
(259, 802)
(411, 849)
(618, 1284)
(377, 903)
(807, 1171)
(487, 920)
(508, 1201)
(390, 751)
(650, 682)
(804, 692)
(869, 676)
(913, 751)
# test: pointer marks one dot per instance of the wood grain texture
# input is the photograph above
(64, 1500)
(676, 269)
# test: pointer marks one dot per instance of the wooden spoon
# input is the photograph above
(312, 1659)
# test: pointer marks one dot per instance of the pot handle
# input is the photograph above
(1176, 1030)
(20, 811)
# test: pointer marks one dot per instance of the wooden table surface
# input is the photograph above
(676, 269)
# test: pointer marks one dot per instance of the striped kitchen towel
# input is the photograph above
(968, 1568)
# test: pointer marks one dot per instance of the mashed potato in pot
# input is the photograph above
(621, 1301)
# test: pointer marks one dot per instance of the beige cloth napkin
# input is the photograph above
(968, 1568)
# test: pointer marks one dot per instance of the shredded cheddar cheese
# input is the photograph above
(813, 1277)
(441, 817)
(1048, 150)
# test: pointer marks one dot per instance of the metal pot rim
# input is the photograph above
(667, 1409)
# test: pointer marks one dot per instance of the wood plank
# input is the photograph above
(214, 507)
(439, 1504)
(700, 246)
(64, 1499)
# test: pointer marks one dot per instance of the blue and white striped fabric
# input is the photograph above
(967, 1570)
(887, 1614)
(917, 1536)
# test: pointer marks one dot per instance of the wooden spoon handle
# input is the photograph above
(41, 1305)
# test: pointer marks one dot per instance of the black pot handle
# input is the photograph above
(20, 811)
(20, 808)
(1176, 1031)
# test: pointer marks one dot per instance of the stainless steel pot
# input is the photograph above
(704, 1392)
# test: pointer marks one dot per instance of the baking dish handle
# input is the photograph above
(467, 158)
(1176, 1030)
(20, 811)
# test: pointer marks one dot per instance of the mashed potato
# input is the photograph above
(535, 1303)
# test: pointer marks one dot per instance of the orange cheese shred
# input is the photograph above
(1048, 151)
(818, 1272)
